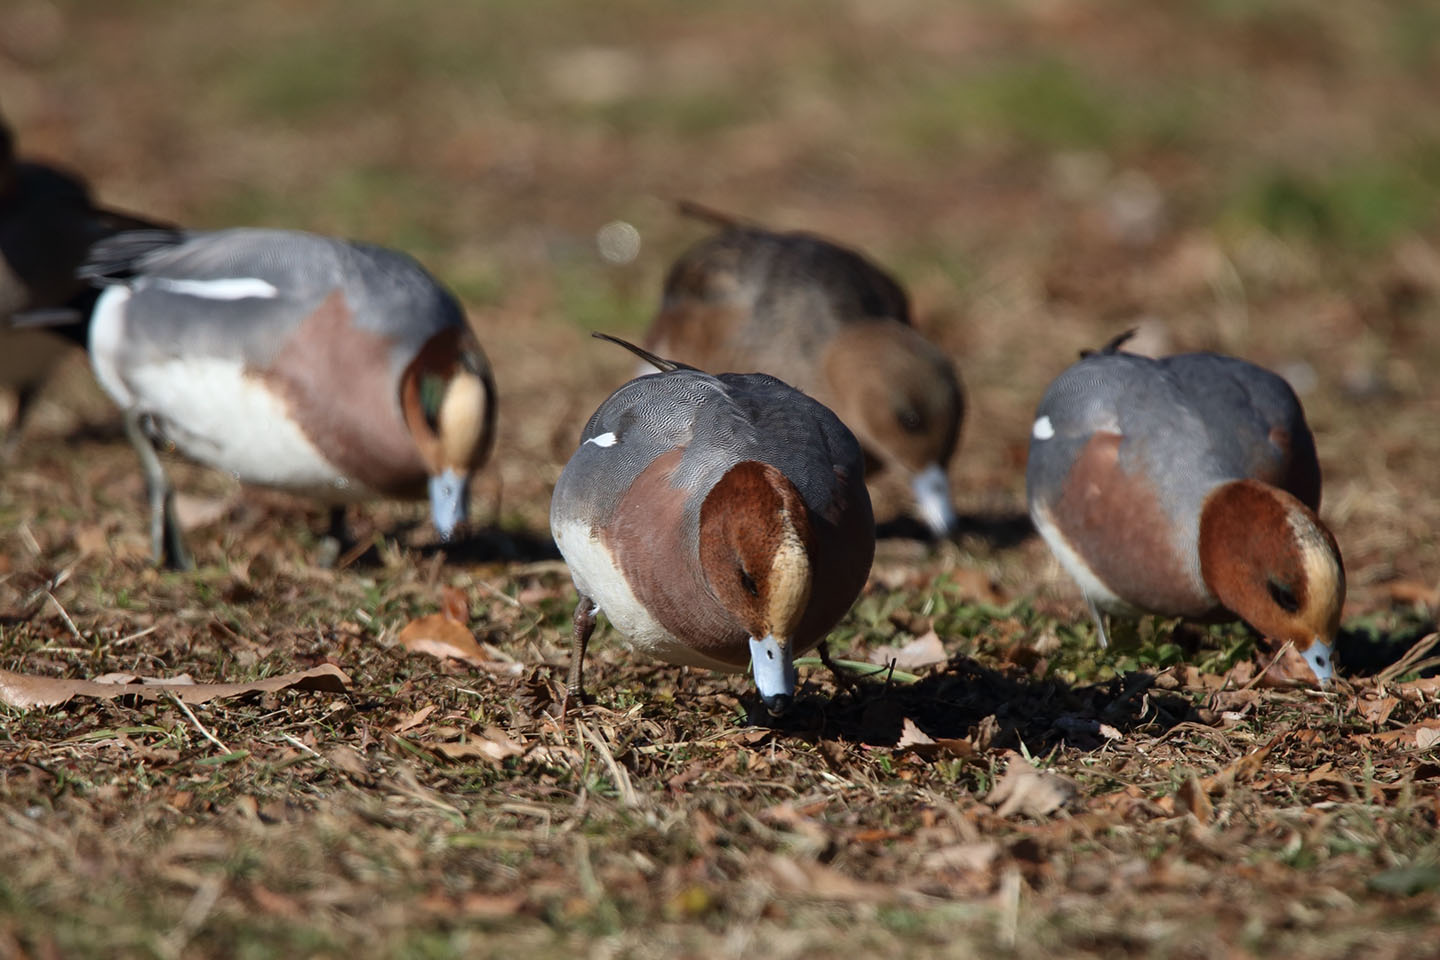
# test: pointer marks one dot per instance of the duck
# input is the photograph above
(834, 325)
(718, 521)
(48, 221)
(1187, 486)
(336, 370)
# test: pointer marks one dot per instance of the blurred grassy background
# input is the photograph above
(1256, 177)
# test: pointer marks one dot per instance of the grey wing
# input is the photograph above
(1256, 423)
(643, 419)
(392, 294)
(232, 294)
(798, 435)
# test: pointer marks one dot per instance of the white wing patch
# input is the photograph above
(227, 288)
(606, 439)
(1043, 429)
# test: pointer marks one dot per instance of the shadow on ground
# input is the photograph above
(991, 708)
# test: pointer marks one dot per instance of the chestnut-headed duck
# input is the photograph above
(341, 371)
(830, 323)
(717, 521)
(1188, 487)
(47, 223)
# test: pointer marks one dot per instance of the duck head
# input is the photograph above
(447, 394)
(1268, 558)
(755, 554)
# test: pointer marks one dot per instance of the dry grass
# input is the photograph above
(1258, 178)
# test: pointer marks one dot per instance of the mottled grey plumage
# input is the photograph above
(720, 421)
(387, 292)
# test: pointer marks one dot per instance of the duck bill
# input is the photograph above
(931, 489)
(449, 501)
(774, 669)
(1320, 655)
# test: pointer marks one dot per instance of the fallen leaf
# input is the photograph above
(454, 604)
(1413, 593)
(351, 762)
(1416, 691)
(415, 719)
(24, 691)
(194, 512)
(1240, 769)
(1195, 801)
(1377, 711)
(917, 741)
(963, 856)
(814, 880)
(1427, 737)
(1030, 791)
(920, 652)
(492, 745)
(443, 637)
(913, 736)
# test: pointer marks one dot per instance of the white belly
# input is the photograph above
(598, 577)
(218, 415)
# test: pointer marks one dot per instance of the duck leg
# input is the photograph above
(336, 540)
(585, 612)
(167, 542)
(1099, 623)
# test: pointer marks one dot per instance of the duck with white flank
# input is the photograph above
(1187, 487)
(718, 521)
(342, 371)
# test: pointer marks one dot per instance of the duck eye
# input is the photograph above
(432, 393)
(1283, 596)
(910, 419)
(748, 582)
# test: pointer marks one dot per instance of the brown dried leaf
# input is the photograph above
(1377, 711)
(813, 880)
(913, 736)
(1416, 691)
(968, 857)
(24, 691)
(1240, 769)
(415, 719)
(443, 637)
(1192, 797)
(492, 745)
(923, 651)
(1427, 737)
(1031, 792)
(1413, 593)
(454, 604)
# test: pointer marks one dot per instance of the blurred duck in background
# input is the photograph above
(830, 323)
(47, 223)
(341, 371)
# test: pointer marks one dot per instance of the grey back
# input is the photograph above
(387, 292)
(1189, 422)
(720, 421)
(798, 289)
